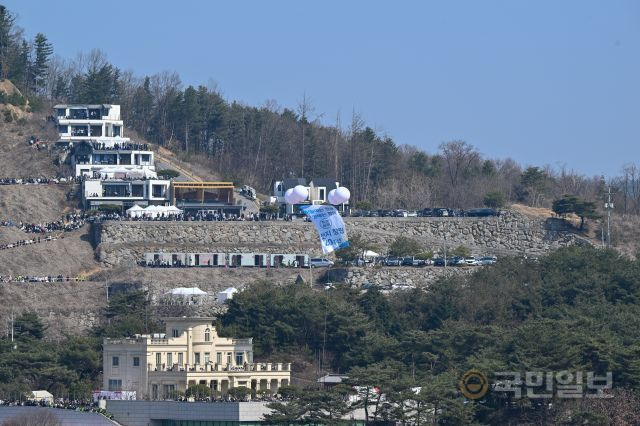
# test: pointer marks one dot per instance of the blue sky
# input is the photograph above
(543, 82)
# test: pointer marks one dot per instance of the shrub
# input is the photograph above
(461, 251)
(168, 173)
(403, 246)
(109, 208)
(198, 391)
(494, 200)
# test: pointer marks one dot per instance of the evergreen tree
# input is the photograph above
(43, 50)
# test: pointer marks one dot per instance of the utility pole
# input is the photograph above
(608, 207)
(13, 345)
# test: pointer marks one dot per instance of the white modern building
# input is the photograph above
(125, 192)
(92, 159)
(318, 189)
(190, 353)
(82, 122)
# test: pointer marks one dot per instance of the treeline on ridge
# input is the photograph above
(257, 145)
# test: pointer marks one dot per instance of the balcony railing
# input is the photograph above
(212, 367)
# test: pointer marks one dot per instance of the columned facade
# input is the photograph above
(161, 366)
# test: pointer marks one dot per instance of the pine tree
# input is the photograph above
(43, 50)
(6, 29)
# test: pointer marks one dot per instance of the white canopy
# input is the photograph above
(135, 211)
(187, 291)
(369, 253)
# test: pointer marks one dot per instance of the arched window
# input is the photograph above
(207, 335)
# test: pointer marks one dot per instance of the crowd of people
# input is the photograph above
(130, 146)
(39, 278)
(39, 180)
(21, 243)
(59, 403)
(67, 223)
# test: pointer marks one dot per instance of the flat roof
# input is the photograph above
(84, 105)
(192, 185)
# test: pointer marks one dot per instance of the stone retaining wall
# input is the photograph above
(124, 243)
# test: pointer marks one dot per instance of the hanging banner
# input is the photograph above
(330, 227)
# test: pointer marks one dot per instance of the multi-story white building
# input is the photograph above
(95, 158)
(188, 354)
(125, 192)
(81, 122)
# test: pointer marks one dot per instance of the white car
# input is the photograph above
(320, 262)
(471, 260)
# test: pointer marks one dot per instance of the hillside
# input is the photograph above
(34, 203)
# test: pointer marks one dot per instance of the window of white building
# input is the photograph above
(136, 361)
(175, 332)
(169, 359)
(207, 357)
(115, 361)
(207, 335)
(239, 358)
(196, 357)
(115, 385)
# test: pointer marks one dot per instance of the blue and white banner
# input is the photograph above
(329, 225)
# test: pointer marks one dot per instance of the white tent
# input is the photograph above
(369, 253)
(152, 211)
(226, 294)
(187, 291)
(41, 395)
(172, 210)
(135, 211)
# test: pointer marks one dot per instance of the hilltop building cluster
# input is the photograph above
(118, 172)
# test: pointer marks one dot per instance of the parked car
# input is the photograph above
(385, 213)
(412, 261)
(425, 213)
(487, 260)
(400, 213)
(482, 212)
(320, 263)
(471, 260)
(412, 213)
(358, 262)
(438, 261)
(373, 213)
(441, 212)
(456, 261)
(393, 261)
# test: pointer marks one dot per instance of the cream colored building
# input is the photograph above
(191, 352)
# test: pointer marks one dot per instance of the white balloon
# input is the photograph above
(342, 195)
(301, 193)
(289, 197)
(332, 197)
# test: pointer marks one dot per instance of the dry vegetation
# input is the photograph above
(68, 256)
(18, 158)
(34, 203)
(60, 305)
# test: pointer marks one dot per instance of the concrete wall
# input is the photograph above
(124, 243)
(144, 413)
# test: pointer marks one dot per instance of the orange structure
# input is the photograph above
(193, 194)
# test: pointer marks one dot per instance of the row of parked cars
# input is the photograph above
(429, 212)
(440, 261)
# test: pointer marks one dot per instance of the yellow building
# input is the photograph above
(158, 366)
